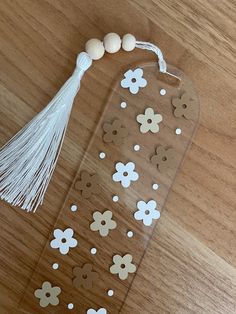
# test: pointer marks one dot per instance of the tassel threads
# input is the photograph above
(28, 160)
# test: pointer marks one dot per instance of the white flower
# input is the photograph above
(63, 240)
(100, 311)
(147, 212)
(133, 80)
(125, 174)
(149, 121)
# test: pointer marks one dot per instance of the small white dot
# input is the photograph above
(70, 306)
(162, 92)
(73, 208)
(110, 293)
(55, 266)
(155, 186)
(178, 131)
(136, 147)
(102, 155)
(130, 234)
(93, 251)
(123, 105)
(115, 198)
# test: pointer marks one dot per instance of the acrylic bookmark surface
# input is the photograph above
(117, 196)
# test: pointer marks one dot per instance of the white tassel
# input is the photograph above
(28, 160)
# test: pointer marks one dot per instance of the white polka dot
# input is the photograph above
(115, 198)
(136, 147)
(155, 186)
(110, 293)
(93, 250)
(73, 208)
(162, 92)
(130, 234)
(55, 266)
(70, 306)
(102, 155)
(178, 131)
(123, 105)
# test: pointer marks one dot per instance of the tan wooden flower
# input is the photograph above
(88, 184)
(114, 132)
(184, 106)
(123, 266)
(164, 158)
(84, 276)
(149, 121)
(47, 294)
(103, 222)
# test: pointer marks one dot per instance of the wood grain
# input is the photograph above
(189, 266)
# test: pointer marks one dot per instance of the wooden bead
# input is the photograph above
(95, 49)
(112, 42)
(128, 42)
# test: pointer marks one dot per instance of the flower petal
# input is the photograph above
(133, 176)
(55, 243)
(151, 205)
(134, 88)
(142, 82)
(155, 214)
(117, 177)
(129, 167)
(68, 233)
(125, 83)
(58, 234)
(123, 274)
(145, 127)
(154, 128)
(141, 205)
(147, 220)
(125, 182)
(137, 73)
(64, 248)
(138, 215)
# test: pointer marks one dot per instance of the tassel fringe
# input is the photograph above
(28, 160)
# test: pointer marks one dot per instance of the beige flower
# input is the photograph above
(114, 132)
(185, 107)
(84, 276)
(149, 121)
(122, 266)
(47, 294)
(88, 184)
(164, 158)
(103, 222)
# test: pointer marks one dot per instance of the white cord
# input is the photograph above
(156, 50)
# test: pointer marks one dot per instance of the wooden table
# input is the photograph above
(189, 266)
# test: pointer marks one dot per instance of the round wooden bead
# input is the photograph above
(112, 42)
(95, 49)
(128, 42)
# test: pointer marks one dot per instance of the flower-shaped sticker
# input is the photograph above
(134, 80)
(47, 294)
(149, 121)
(100, 311)
(103, 222)
(184, 107)
(164, 158)
(123, 266)
(114, 132)
(63, 240)
(88, 184)
(84, 276)
(147, 212)
(125, 174)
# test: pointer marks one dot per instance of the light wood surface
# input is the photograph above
(189, 266)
